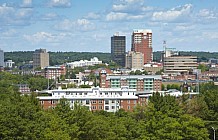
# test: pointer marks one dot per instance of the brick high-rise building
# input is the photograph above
(40, 58)
(118, 49)
(142, 42)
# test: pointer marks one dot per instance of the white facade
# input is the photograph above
(82, 63)
(9, 63)
(111, 97)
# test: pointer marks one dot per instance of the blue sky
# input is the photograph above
(87, 25)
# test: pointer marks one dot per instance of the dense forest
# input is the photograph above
(62, 57)
(164, 117)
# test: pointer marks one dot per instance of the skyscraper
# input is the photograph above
(40, 58)
(142, 42)
(1, 58)
(118, 49)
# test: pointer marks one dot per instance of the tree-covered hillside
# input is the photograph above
(57, 57)
(62, 57)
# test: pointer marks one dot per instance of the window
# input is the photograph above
(106, 93)
(93, 107)
(100, 107)
(112, 101)
(128, 107)
(41, 102)
(106, 101)
(94, 101)
(128, 101)
(134, 101)
(87, 101)
(71, 101)
(106, 107)
(112, 107)
(100, 101)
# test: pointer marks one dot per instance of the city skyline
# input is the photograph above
(86, 26)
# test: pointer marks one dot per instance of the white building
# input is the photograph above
(9, 63)
(108, 99)
(82, 63)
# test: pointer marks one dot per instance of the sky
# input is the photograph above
(87, 25)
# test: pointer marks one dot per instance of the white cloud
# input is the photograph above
(116, 16)
(92, 15)
(46, 37)
(130, 6)
(9, 33)
(26, 3)
(49, 16)
(210, 35)
(79, 24)
(12, 16)
(112, 16)
(177, 14)
(184, 27)
(206, 16)
(60, 3)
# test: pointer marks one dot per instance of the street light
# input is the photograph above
(214, 133)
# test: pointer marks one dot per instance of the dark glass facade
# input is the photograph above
(118, 49)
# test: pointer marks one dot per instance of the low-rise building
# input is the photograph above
(83, 63)
(138, 82)
(9, 63)
(23, 88)
(52, 72)
(108, 99)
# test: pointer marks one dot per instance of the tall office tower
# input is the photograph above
(1, 58)
(118, 49)
(142, 42)
(40, 58)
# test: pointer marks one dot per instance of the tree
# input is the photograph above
(203, 67)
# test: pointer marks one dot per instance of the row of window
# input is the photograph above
(105, 108)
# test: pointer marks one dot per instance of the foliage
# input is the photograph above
(203, 67)
(163, 117)
(138, 72)
(84, 86)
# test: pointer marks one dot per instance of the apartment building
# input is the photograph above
(108, 99)
(52, 72)
(82, 63)
(138, 82)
